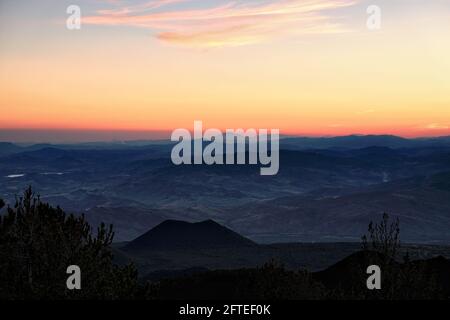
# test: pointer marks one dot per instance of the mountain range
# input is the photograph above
(327, 189)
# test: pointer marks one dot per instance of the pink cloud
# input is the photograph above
(232, 23)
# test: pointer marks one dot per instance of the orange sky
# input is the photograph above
(309, 70)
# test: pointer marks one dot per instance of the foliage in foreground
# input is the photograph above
(38, 243)
(345, 280)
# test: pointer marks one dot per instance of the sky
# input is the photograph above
(142, 67)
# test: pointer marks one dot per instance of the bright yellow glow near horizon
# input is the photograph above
(392, 81)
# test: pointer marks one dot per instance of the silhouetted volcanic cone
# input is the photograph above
(172, 234)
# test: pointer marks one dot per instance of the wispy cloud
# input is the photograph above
(122, 10)
(230, 23)
(436, 126)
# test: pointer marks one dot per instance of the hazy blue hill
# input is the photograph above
(8, 148)
(318, 195)
(362, 141)
(441, 181)
(421, 203)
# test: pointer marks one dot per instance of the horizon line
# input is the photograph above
(7, 136)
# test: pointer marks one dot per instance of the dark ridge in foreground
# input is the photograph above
(345, 280)
(174, 235)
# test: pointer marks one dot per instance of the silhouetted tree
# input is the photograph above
(384, 237)
(37, 244)
(400, 281)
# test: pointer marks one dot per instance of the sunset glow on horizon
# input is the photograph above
(305, 67)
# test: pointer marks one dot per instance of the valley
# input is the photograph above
(324, 192)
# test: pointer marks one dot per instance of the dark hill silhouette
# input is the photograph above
(420, 278)
(439, 267)
(174, 274)
(350, 270)
(173, 235)
(346, 280)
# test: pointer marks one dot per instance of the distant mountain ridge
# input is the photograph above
(320, 194)
(174, 234)
(363, 141)
(290, 142)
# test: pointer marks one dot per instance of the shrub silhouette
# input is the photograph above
(37, 244)
(400, 281)
(384, 237)
(269, 282)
